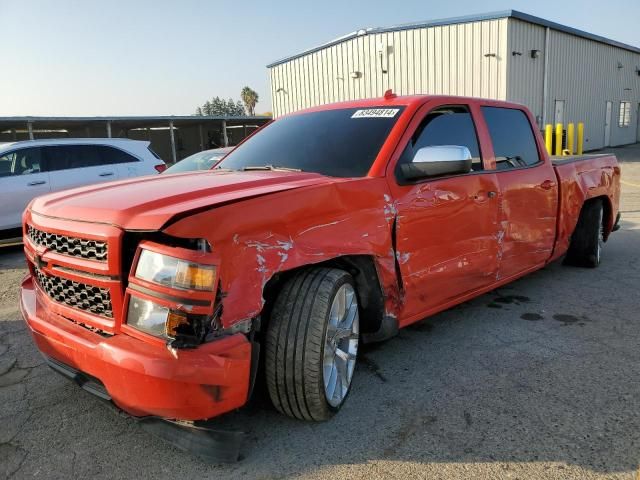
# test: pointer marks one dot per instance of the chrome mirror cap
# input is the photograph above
(437, 161)
(442, 153)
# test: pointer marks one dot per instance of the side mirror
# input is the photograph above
(437, 161)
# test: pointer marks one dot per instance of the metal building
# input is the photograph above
(562, 74)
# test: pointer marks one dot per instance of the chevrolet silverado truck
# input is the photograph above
(328, 228)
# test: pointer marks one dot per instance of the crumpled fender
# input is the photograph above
(580, 181)
(259, 237)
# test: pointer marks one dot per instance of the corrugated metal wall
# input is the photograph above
(525, 75)
(462, 59)
(582, 72)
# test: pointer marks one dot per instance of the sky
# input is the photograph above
(143, 57)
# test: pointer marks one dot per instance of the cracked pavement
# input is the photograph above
(539, 379)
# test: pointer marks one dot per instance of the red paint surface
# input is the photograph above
(455, 238)
(143, 378)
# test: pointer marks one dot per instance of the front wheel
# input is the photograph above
(312, 344)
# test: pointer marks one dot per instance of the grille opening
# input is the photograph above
(95, 330)
(71, 246)
(78, 295)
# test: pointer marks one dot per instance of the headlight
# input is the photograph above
(174, 272)
(153, 319)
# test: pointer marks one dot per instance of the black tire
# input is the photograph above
(586, 241)
(295, 343)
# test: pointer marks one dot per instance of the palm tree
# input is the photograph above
(249, 98)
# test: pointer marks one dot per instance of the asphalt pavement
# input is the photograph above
(538, 379)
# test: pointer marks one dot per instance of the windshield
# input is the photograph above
(197, 161)
(337, 143)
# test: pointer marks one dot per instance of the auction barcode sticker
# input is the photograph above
(376, 113)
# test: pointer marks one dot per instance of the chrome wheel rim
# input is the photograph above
(600, 237)
(340, 345)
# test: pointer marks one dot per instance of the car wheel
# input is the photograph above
(312, 344)
(585, 249)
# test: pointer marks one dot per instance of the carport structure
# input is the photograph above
(172, 137)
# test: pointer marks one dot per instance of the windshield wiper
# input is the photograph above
(271, 167)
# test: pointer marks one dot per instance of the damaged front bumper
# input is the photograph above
(198, 438)
(144, 379)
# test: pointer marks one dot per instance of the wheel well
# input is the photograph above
(365, 275)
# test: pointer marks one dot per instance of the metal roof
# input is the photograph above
(123, 121)
(464, 19)
(136, 118)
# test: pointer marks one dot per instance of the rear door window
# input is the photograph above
(65, 157)
(514, 143)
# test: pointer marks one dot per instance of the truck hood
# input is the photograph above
(148, 203)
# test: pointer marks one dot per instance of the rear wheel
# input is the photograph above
(585, 249)
(312, 344)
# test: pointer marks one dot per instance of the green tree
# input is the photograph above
(220, 107)
(250, 99)
(234, 108)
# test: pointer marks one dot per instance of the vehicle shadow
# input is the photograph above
(544, 371)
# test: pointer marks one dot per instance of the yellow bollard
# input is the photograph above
(580, 137)
(570, 136)
(548, 138)
(558, 150)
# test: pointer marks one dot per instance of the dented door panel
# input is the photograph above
(528, 205)
(446, 239)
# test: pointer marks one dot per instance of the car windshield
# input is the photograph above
(337, 143)
(197, 161)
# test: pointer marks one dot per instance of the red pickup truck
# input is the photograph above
(328, 228)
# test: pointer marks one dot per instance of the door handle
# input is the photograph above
(106, 174)
(547, 184)
(36, 182)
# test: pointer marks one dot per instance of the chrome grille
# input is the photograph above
(72, 246)
(85, 297)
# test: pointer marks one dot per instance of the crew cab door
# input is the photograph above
(445, 227)
(528, 191)
(77, 165)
